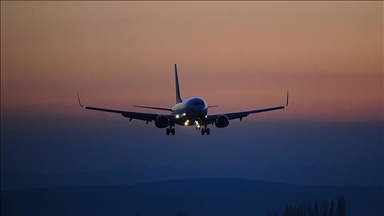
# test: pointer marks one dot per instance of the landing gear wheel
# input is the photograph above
(207, 131)
(168, 131)
(202, 131)
(173, 131)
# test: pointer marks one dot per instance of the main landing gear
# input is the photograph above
(170, 130)
(205, 130)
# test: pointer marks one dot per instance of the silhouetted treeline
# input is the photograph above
(325, 208)
(179, 213)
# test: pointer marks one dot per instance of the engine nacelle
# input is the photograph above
(162, 121)
(222, 121)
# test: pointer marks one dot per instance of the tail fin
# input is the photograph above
(178, 96)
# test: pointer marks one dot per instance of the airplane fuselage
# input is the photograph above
(190, 111)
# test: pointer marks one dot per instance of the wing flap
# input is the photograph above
(140, 116)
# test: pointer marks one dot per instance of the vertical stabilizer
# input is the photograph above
(178, 96)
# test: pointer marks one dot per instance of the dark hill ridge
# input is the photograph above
(223, 196)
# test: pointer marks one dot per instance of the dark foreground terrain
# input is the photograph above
(195, 196)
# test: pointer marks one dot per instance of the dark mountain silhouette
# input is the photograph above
(223, 196)
(295, 174)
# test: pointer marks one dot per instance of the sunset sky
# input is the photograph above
(238, 55)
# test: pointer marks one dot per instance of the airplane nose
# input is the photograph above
(201, 111)
(204, 112)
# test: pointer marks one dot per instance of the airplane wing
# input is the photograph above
(131, 115)
(240, 115)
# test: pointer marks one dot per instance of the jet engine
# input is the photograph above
(162, 121)
(222, 121)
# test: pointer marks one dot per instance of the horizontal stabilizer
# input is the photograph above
(156, 108)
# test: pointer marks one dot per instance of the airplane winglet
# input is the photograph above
(286, 104)
(78, 98)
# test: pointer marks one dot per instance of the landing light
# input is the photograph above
(206, 116)
(186, 123)
(177, 116)
(197, 124)
(184, 114)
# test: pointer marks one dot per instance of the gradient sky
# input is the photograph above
(238, 55)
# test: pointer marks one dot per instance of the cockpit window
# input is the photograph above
(199, 103)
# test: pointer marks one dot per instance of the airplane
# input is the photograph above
(193, 111)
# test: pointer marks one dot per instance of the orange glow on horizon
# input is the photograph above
(238, 55)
